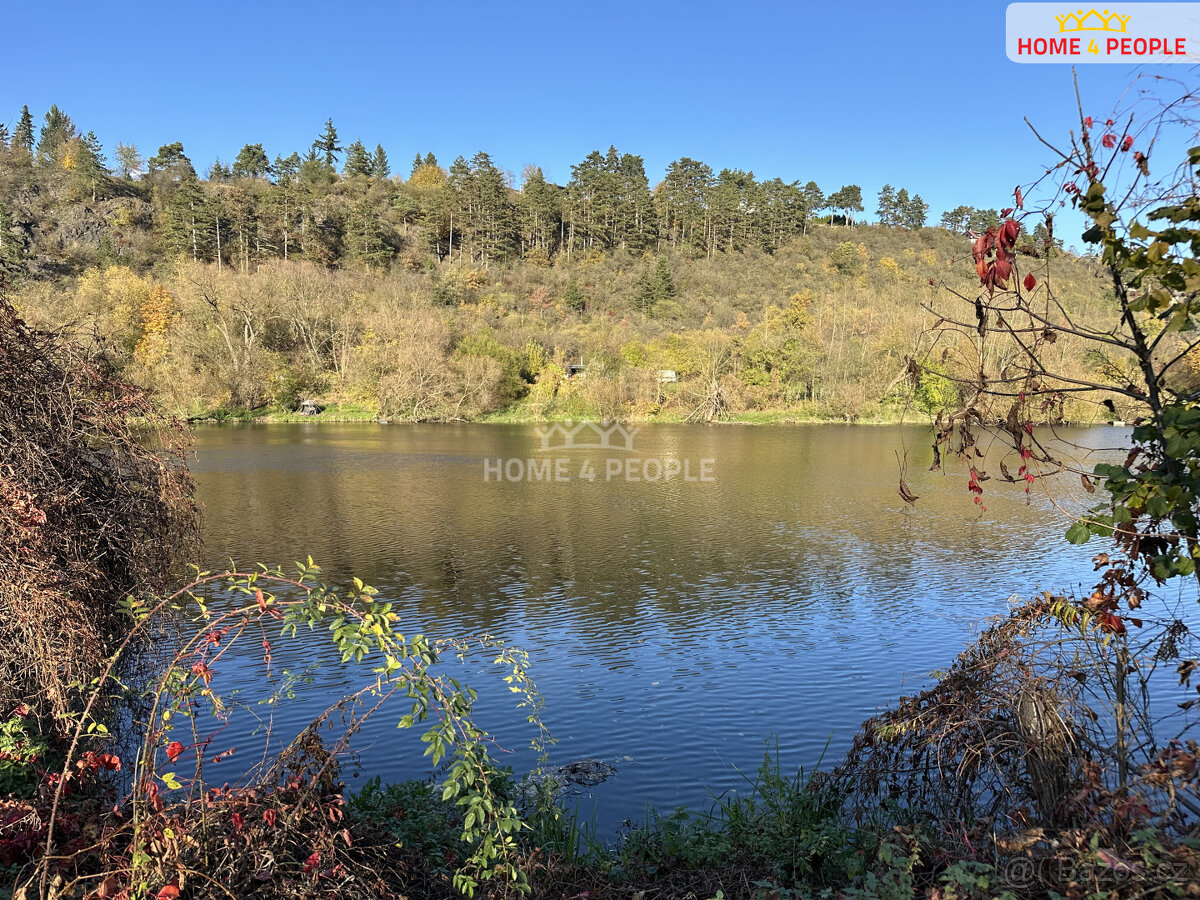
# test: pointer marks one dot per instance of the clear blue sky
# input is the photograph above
(918, 95)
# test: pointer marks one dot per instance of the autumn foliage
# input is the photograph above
(92, 508)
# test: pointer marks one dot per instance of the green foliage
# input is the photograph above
(573, 297)
(845, 259)
(935, 392)
(22, 753)
(22, 138)
(655, 285)
(405, 669)
(787, 829)
(412, 816)
(1156, 493)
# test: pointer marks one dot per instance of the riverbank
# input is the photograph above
(531, 414)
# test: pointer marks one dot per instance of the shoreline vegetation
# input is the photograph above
(334, 415)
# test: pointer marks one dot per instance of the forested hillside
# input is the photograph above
(452, 294)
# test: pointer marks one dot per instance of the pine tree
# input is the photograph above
(655, 285)
(573, 297)
(327, 144)
(380, 168)
(886, 211)
(251, 162)
(3, 136)
(23, 135)
(900, 214)
(430, 159)
(811, 199)
(915, 212)
(57, 131)
(90, 168)
(958, 219)
(416, 164)
(358, 161)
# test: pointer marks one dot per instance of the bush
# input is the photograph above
(92, 508)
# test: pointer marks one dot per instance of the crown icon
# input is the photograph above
(603, 435)
(1092, 21)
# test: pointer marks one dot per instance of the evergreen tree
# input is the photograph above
(416, 164)
(286, 169)
(358, 161)
(430, 159)
(251, 162)
(380, 168)
(900, 214)
(811, 200)
(326, 145)
(3, 136)
(56, 132)
(540, 211)
(655, 285)
(683, 200)
(958, 219)
(886, 211)
(170, 164)
(573, 297)
(1043, 243)
(983, 219)
(219, 171)
(914, 213)
(90, 169)
(23, 135)
(848, 200)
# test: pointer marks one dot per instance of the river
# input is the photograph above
(686, 594)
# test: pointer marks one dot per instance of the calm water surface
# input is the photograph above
(673, 626)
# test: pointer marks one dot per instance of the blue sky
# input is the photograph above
(918, 95)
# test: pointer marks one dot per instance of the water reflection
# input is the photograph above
(677, 623)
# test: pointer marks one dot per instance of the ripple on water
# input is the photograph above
(679, 624)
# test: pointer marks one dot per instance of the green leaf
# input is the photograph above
(1078, 533)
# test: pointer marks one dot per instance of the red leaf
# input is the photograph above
(1108, 122)
(979, 249)
(238, 821)
(170, 892)
(1127, 143)
(258, 596)
(1019, 197)
(1109, 140)
(1003, 270)
(203, 671)
(931, 282)
(174, 749)
(1008, 233)
(1087, 123)
(310, 864)
(109, 761)
(1030, 282)
(1006, 212)
(269, 817)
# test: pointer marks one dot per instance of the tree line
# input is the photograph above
(341, 204)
